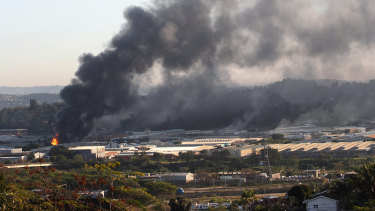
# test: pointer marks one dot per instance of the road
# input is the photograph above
(230, 191)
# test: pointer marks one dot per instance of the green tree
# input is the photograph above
(299, 193)
(136, 194)
(179, 204)
(187, 156)
(157, 157)
(369, 206)
(33, 104)
(4, 187)
(344, 190)
(58, 151)
(234, 205)
(277, 136)
(273, 155)
(260, 208)
(30, 156)
(247, 197)
(365, 179)
(160, 189)
(38, 119)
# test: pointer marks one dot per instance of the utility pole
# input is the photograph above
(195, 178)
(266, 168)
(268, 161)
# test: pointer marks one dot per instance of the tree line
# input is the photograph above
(37, 118)
(51, 189)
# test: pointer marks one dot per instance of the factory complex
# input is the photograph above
(292, 142)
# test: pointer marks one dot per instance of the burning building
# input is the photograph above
(55, 140)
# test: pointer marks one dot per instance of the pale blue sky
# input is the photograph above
(41, 40)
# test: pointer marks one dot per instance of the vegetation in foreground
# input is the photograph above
(52, 189)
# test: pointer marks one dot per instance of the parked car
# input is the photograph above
(180, 191)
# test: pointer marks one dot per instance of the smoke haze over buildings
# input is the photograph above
(193, 64)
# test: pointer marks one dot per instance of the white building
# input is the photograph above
(178, 148)
(321, 203)
(177, 177)
(12, 154)
(38, 155)
(245, 150)
(13, 158)
(89, 152)
(214, 141)
(9, 150)
(94, 194)
(200, 207)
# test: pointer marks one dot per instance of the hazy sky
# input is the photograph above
(41, 40)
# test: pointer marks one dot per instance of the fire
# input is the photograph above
(55, 141)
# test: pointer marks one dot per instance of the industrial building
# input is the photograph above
(246, 150)
(337, 149)
(9, 150)
(307, 132)
(6, 138)
(16, 132)
(167, 151)
(12, 154)
(177, 149)
(90, 152)
(177, 178)
(214, 141)
(129, 154)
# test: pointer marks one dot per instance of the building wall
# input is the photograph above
(314, 173)
(321, 203)
(39, 155)
(213, 141)
(186, 178)
(337, 153)
(15, 158)
(276, 176)
(11, 151)
(90, 152)
(17, 132)
(189, 177)
(244, 151)
(336, 149)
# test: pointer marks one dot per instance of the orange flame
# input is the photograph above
(55, 141)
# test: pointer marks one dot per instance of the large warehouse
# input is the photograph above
(216, 141)
(337, 149)
(178, 149)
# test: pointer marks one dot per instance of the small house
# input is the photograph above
(321, 203)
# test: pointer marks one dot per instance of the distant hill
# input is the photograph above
(11, 101)
(42, 97)
(30, 90)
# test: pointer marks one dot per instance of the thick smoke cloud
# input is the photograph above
(201, 59)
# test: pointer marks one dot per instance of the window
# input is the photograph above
(316, 206)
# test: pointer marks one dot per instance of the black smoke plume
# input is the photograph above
(207, 55)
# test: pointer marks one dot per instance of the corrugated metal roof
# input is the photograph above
(330, 146)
